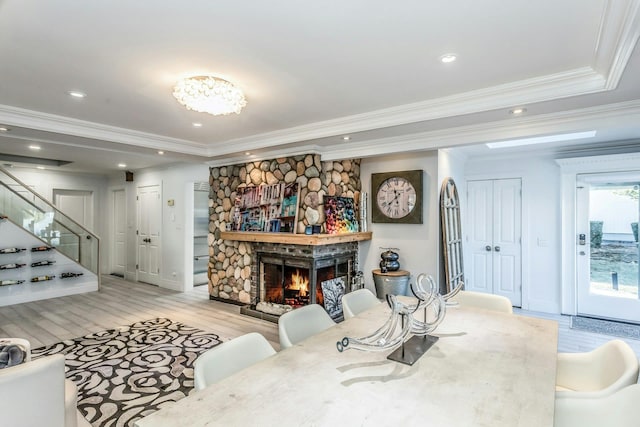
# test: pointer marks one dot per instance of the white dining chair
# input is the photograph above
(597, 373)
(36, 393)
(484, 301)
(301, 323)
(230, 357)
(358, 301)
(620, 409)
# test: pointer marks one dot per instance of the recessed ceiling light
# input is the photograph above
(346, 138)
(122, 165)
(77, 94)
(197, 125)
(34, 147)
(542, 139)
(247, 153)
(449, 57)
(518, 111)
(161, 152)
(4, 129)
(40, 167)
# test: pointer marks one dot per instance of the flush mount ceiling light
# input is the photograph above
(542, 139)
(449, 57)
(207, 94)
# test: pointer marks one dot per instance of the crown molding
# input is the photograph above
(611, 162)
(20, 117)
(265, 155)
(565, 121)
(560, 85)
(617, 38)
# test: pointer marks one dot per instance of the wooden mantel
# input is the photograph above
(295, 239)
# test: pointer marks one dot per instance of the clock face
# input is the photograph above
(396, 197)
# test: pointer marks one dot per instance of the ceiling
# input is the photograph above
(313, 73)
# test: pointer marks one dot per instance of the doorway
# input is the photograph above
(119, 233)
(607, 216)
(148, 233)
(494, 238)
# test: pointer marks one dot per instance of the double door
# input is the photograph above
(494, 219)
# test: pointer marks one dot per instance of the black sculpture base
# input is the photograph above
(413, 349)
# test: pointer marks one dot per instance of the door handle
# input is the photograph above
(488, 248)
(497, 249)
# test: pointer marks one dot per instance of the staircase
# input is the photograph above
(43, 252)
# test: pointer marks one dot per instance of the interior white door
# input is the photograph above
(608, 279)
(149, 221)
(77, 205)
(494, 237)
(119, 237)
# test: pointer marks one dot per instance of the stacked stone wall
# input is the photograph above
(230, 262)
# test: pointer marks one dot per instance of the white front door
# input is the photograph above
(119, 229)
(607, 245)
(149, 221)
(494, 238)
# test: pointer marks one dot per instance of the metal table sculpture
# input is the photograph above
(402, 322)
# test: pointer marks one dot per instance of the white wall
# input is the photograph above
(541, 223)
(417, 243)
(176, 265)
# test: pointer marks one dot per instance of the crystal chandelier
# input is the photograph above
(207, 94)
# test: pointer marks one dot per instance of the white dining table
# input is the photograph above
(486, 369)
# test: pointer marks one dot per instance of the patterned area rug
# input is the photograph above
(127, 373)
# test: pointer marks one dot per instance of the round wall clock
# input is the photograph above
(397, 197)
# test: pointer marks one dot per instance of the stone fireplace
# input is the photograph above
(291, 274)
(232, 268)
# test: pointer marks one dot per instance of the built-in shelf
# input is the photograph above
(295, 239)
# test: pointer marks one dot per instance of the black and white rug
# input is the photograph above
(127, 373)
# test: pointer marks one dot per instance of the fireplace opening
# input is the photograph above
(290, 276)
(297, 282)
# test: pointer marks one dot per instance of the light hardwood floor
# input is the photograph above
(120, 303)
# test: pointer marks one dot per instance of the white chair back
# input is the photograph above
(596, 373)
(358, 301)
(301, 323)
(230, 357)
(620, 409)
(484, 301)
(33, 393)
